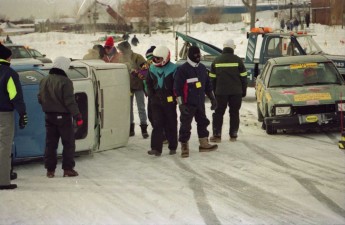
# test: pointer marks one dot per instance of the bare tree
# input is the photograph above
(251, 6)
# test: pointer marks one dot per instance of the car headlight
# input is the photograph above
(341, 106)
(282, 110)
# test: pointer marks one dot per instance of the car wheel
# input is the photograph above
(270, 129)
(260, 116)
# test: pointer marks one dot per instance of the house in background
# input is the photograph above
(328, 12)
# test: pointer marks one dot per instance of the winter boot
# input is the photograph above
(50, 174)
(205, 146)
(7, 187)
(154, 152)
(131, 130)
(184, 150)
(172, 151)
(233, 136)
(144, 130)
(70, 173)
(217, 138)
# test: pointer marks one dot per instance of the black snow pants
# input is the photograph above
(197, 112)
(234, 102)
(164, 118)
(59, 125)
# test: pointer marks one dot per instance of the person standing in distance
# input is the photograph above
(56, 96)
(11, 98)
(229, 79)
(160, 82)
(191, 84)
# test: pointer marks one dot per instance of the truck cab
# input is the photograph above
(263, 44)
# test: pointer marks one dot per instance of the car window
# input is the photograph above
(19, 52)
(35, 53)
(274, 48)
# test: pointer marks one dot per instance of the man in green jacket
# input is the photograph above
(229, 79)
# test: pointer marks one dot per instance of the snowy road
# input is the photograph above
(294, 178)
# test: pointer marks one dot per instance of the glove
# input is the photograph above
(184, 109)
(23, 120)
(78, 120)
(214, 104)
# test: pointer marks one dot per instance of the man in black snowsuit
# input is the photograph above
(135, 41)
(230, 83)
(191, 84)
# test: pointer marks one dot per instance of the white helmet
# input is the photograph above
(161, 52)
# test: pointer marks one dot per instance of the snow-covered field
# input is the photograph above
(294, 178)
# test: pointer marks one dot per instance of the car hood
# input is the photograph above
(307, 95)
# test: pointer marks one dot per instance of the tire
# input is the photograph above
(270, 129)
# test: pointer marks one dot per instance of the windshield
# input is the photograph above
(304, 74)
(309, 45)
(19, 52)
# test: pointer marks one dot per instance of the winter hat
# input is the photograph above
(109, 42)
(62, 63)
(124, 46)
(5, 52)
(194, 54)
(229, 44)
(149, 52)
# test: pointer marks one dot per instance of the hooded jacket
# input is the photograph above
(11, 94)
(56, 93)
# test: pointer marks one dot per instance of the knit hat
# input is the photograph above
(229, 44)
(124, 46)
(109, 42)
(149, 52)
(62, 63)
(5, 52)
(194, 54)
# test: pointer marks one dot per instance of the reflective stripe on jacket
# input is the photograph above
(228, 74)
(11, 94)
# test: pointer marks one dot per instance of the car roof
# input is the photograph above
(298, 59)
(23, 67)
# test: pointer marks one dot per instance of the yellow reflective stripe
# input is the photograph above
(212, 75)
(11, 88)
(226, 65)
(243, 74)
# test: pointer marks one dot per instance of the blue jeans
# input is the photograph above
(140, 98)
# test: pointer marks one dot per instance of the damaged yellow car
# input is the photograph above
(300, 92)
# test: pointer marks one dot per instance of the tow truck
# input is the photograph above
(263, 44)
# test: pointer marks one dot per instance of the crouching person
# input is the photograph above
(191, 84)
(160, 82)
(56, 96)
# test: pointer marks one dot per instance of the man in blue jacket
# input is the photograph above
(191, 84)
(11, 98)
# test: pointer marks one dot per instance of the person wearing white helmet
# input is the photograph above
(160, 81)
(229, 79)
